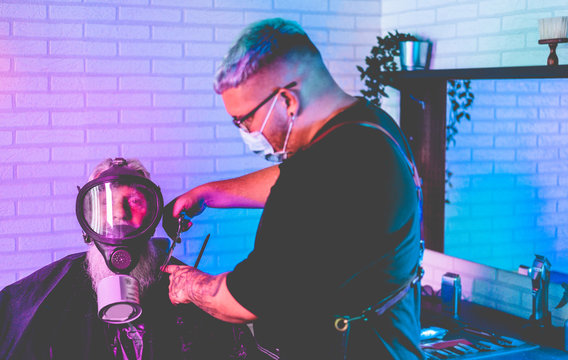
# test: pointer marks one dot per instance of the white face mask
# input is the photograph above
(259, 144)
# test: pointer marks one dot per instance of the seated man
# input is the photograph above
(112, 301)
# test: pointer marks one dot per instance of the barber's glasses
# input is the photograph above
(238, 121)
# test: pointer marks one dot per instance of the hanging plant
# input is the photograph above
(378, 75)
(380, 64)
(460, 99)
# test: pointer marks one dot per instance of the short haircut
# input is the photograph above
(258, 45)
(133, 164)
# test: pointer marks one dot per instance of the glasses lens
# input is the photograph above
(118, 210)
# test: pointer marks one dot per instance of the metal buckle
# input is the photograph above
(341, 324)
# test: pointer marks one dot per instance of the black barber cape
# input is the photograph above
(340, 231)
(52, 314)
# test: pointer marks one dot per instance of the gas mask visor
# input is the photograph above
(119, 212)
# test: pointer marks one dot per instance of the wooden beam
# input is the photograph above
(423, 120)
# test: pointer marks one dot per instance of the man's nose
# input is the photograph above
(122, 210)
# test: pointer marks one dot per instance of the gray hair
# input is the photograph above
(258, 45)
(146, 271)
(133, 164)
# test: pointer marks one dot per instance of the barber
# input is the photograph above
(340, 229)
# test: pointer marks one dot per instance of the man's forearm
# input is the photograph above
(196, 287)
(208, 292)
(247, 191)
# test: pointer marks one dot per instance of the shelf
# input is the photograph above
(517, 72)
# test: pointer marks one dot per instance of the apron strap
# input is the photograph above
(342, 323)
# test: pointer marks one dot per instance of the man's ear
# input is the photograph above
(292, 101)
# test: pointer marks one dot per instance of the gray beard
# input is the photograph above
(146, 271)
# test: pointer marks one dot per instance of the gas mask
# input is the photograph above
(119, 212)
(257, 142)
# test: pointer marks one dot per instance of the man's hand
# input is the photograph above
(178, 275)
(190, 203)
(208, 292)
(187, 284)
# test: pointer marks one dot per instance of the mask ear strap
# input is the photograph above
(292, 118)
(269, 112)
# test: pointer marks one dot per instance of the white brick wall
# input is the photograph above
(502, 33)
(86, 80)
(507, 166)
(105, 78)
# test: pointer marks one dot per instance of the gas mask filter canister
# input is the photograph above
(118, 299)
(119, 212)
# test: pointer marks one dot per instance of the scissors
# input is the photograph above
(184, 224)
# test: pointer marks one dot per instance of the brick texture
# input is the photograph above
(84, 81)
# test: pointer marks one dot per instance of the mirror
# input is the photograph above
(508, 195)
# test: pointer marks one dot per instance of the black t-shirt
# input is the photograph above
(339, 232)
